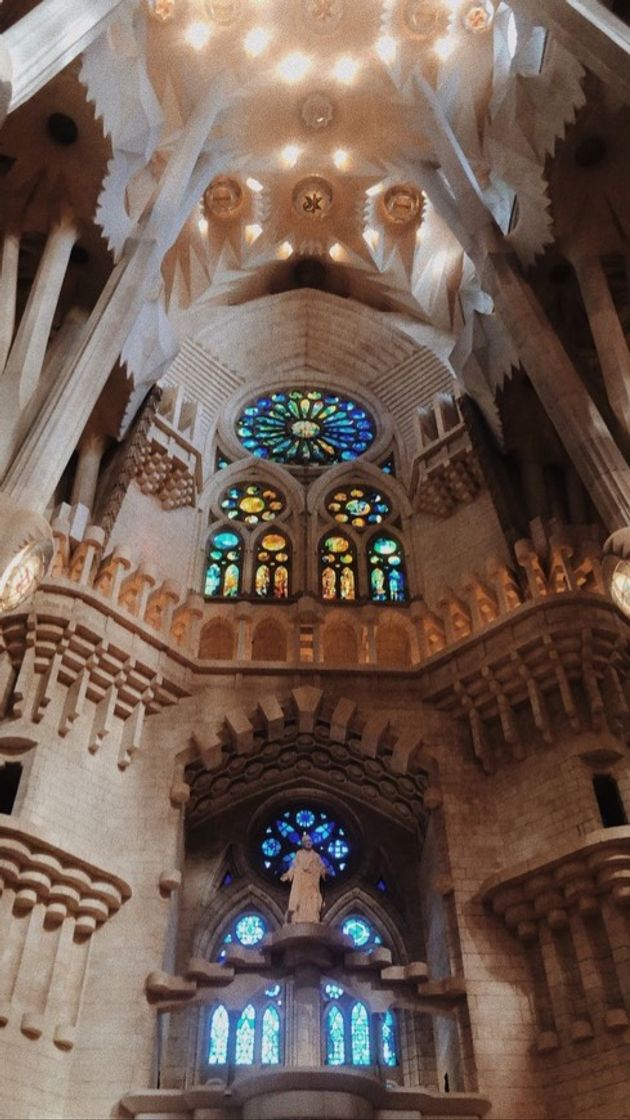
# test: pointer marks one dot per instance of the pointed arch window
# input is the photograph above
(270, 1043)
(388, 1040)
(335, 1036)
(225, 565)
(361, 932)
(337, 564)
(219, 1036)
(360, 1035)
(386, 570)
(273, 567)
(245, 1037)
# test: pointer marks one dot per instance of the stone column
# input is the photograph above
(608, 335)
(42, 43)
(306, 1018)
(8, 292)
(91, 450)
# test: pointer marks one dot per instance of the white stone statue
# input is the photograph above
(304, 875)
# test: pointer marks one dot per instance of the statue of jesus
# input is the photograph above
(304, 875)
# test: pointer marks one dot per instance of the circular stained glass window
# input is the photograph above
(358, 506)
(282, 835)
(361, 932)
(306, 427)
(247, 929)
(252, 503)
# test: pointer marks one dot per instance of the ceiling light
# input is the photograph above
(284, 251)
(197, 34)
(386, 48)
(341, 159)
(443, 48)
(290, 155)
(371, 237)
(378, 188)
(294, 66)
(256, 41)
(337, 252)
(254, 185)
(252, 233)
(346, 69)
(202, 225)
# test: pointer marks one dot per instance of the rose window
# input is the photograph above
(306, 427)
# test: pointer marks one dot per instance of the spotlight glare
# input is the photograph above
(290, 155)
(443, 48)
(284, 251)
(294, 67)
(253, 232)
(254, 185)
(197, 34)
(346, 69)
(341, 159)
(386, 48)
(256, 41)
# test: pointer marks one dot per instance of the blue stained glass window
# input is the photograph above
(270, 1046)
(219, 1035)
(389, 1044)
(335, 1036)
(250, 929)
(282, 837)
(359, 506)
(273, 990)
(386, 570)
(361, 932)
(223, 571)
(304, 427)
(388, 466)
(333, 991)
(360, 1035)
(245, 1037)
(252, 503)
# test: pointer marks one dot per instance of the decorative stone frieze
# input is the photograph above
(446, 470)
(168, 460)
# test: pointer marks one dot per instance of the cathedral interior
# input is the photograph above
(314, 391)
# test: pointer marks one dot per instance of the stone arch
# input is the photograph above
(393, 645)
(217, 641)
(218, 913)
(269, 641)
(340, 643)
(357, 898)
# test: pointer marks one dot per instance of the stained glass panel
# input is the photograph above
(335, 1036)
(386, 570)
(219, 1036)
(270, 1045)
(245, 1037)
(333, 991)
(304, 427)
(252, 503)
(358, 506)
(338, 569)
(250, 929)
(389, 1046)
(272, 570)
(360, 1035)
(361, 932)
(282, 837)
(223, 573)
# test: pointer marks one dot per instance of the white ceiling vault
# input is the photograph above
(322, 118)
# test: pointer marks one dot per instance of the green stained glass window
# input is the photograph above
(389, 1042)
(245, 1037)
(224, 564)
(361, 932)
(247, 930)
(270, 1045)
(359, 506)
(337, 566)
(386, 570)
(252, 503)
(219, 1036)
(305, 427)
(360, 1035)
(335, 1031)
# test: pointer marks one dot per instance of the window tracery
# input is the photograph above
(361, 932)
(359, 506)
(252, 503)
(247, 929)
(252, 1036)
(282, 837)
(305, 427)
(337, 559)
(354, 1036)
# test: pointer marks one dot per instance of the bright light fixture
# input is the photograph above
(443, 48)
(197, 34)
(371, 237)
(284, 251)
(290, 155)
(253, 232)
(337, 252)
(202, 225)
(346, 69)
(341, 159)
(294, 66)
(254, 185)
(378, 188)
(256, 41)
(386, 48)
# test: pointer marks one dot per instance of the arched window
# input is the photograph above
(223, 573)
(219, 1036)
(337, 564)
(388, 1040)
(282, 833)
(270, 1045)
(335, 1036)
(352, 1035)
(246, 929)
(361, 932)
(271, 580)
(386, 570)
(305, 427)
(245, 1037)
(359, 506)
(360, 1035)
(252, 503)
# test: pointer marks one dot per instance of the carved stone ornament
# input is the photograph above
(224, 12)
(223, 198)
(161, 10)
(324, 16)
(318, 110)
(426, 19)
(312, 198)
(402, 204)
(478, 17)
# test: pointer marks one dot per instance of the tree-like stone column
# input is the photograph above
(608, 336)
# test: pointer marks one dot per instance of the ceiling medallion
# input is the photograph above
(427, 19)
(324, 16)
(479, 16)
(224, 11)
(317, 110)
(161, 10)
(402, 204)
(312, 197)
(223, 198)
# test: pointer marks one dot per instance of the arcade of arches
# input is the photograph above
(314, 559)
